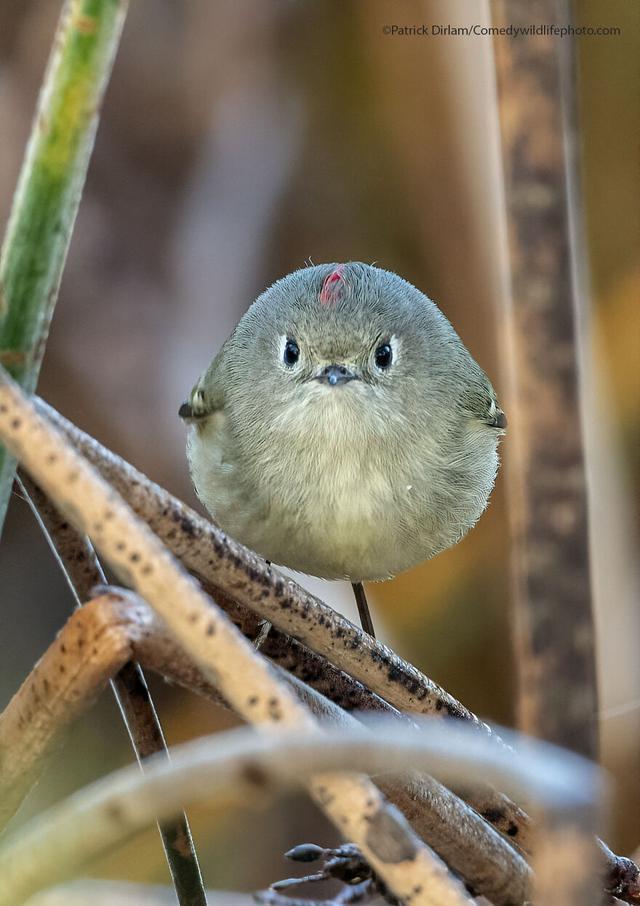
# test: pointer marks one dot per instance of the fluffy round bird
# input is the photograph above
(344, 430)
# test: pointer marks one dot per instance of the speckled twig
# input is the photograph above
(241, 765)
(458, 834)
(244, 677)
(82, 570)
(245, 584)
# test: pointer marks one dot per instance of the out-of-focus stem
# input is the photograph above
(554, 630)
(48, 194)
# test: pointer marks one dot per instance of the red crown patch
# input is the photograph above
(333, 286)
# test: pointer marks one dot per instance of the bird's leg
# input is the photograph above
(363, 608)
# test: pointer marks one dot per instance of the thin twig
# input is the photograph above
(49, 188)
(28, 733)
(244, 678)
(80, 566)
(241, 765)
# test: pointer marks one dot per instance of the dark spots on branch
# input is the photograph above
(115, 811)
(255, 774)
(324, 796)
(187, 526)
(493, 815)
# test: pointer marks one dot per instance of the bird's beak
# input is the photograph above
(187, 414)
(335, 374)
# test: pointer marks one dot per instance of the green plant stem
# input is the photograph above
(49, 189)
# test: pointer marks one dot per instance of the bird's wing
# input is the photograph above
(481, 402)
(206, 396)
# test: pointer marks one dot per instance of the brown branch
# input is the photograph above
(245, 585)
(351, 801)
(29, 733)
(196, 540)
(552, 604)
(81, 568)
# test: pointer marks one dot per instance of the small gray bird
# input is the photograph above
(343, 429)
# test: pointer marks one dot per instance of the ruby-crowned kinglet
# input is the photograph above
(343, 429)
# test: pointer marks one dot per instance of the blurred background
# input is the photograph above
(237, 141)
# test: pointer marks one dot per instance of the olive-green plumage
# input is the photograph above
(343, 429)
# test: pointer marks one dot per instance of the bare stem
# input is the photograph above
(80, 565)
(129, 628)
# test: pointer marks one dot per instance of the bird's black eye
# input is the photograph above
(383, 355)
(291, 352)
